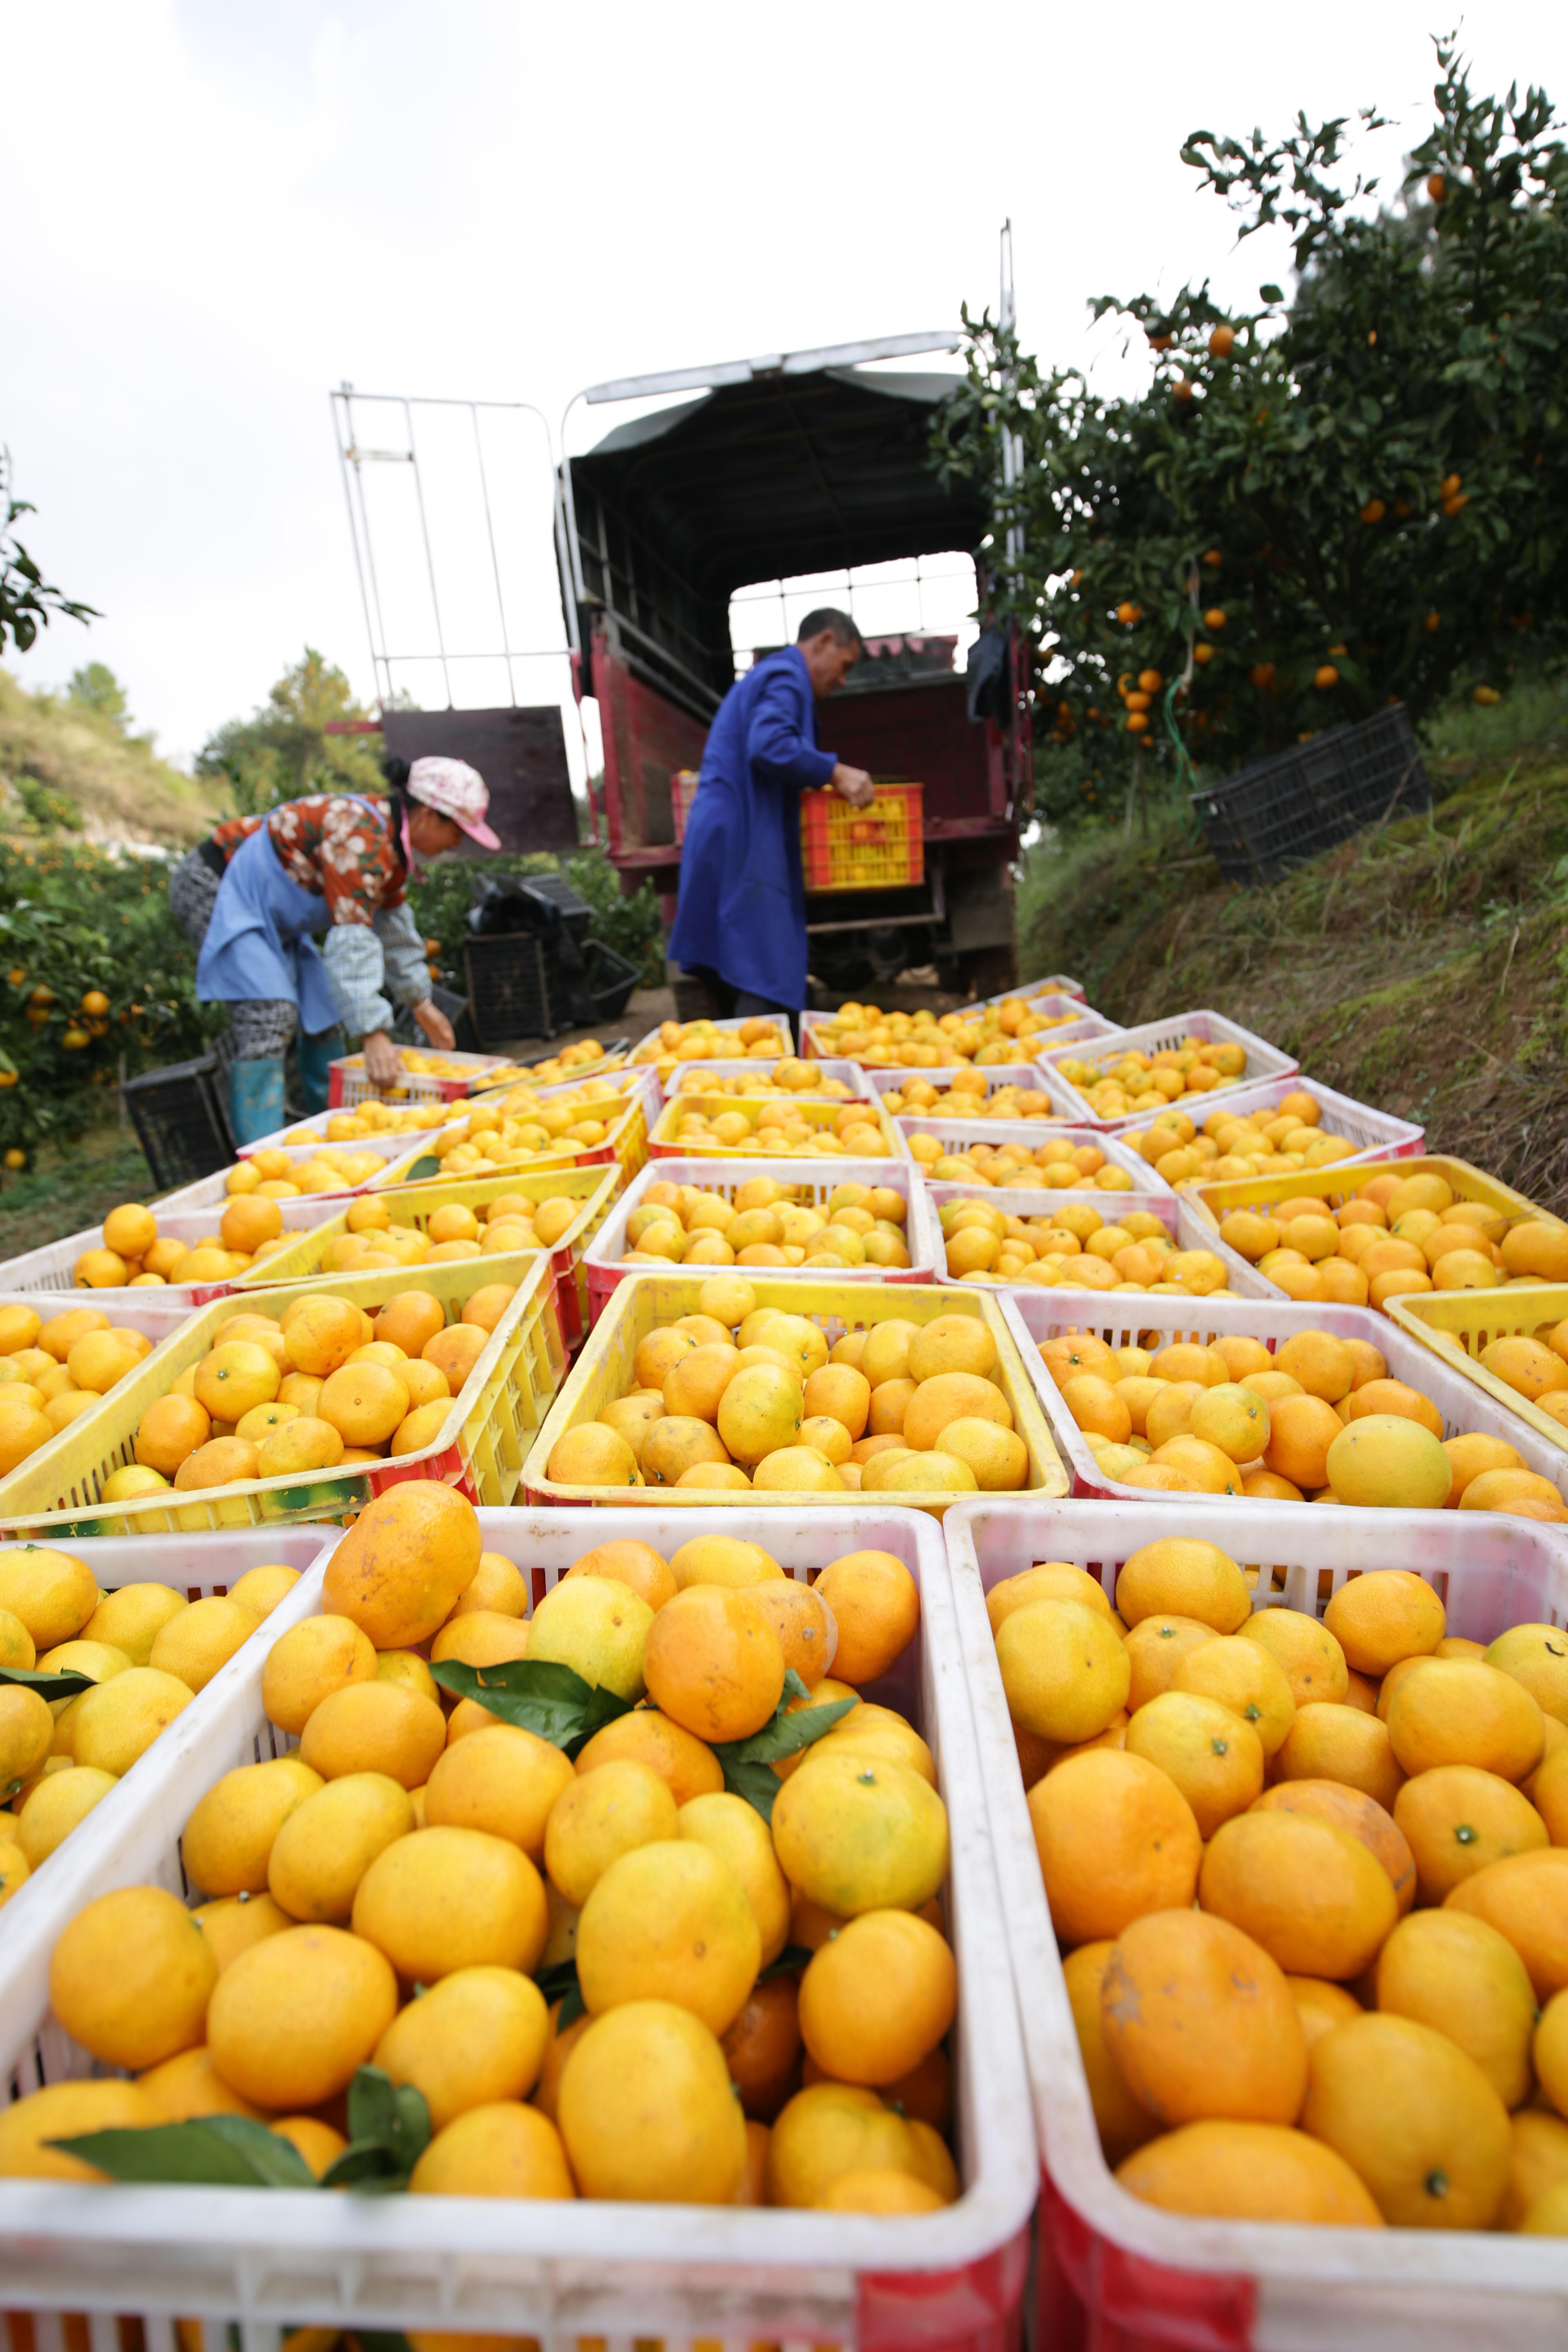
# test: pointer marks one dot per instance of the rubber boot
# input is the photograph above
(256, 1099)
(315, 1055)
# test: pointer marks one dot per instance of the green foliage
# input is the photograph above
(94, 686)
(50, 811)
(284, 750)
(113, 778)
(1316, 507)
(26, 599)
(73, 921)
(441, 902)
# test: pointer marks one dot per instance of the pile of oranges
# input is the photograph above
(385, 1894)
(1074, 1247)
(133, 1256)
(790, 1076)
(1274, 1142)
(508, 1127)
(1054, 1165)
(767, 1223)
(779, 1125)
(1311, 1883)
(1009, 1031)
(52, 1370)
(743, 1395)
(1126, 1081)
(1393, 1235)
(1316, 1420)
(587, 1053)
(325, 1383)
(967, 1098)
(145, 1650)
(375, 1240)
(757, 1039)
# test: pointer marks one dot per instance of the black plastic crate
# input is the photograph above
(181, 1122)
(408, 1032)
(518, 990)
(1282, 810)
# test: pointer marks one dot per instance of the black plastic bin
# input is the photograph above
(517, 989)
(1282, 810)
(180, 1121)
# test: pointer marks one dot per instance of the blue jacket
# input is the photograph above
(743, 900)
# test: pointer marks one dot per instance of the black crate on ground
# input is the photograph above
(517, 989)
(181, 1122)
(1283, 810)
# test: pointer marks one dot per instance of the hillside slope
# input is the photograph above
(115, 781)
(1422, 968)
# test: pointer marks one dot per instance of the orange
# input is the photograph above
(234, 1376)
(1302, 1430)
(375, 1726)
(1458, 1820)
(1538, 2164)
(668, 1921)
(410, 1320)
(1389, 1460)
(876, 1605)
(625, 1560)
(1329, 1742)
(1454, 1711)
(1215, 1758)
(247, 1222)
(1248, 2172)
(1116, 1839)
(1240, 1676)
(1527, 1366)
(807, 1631)
(169, 1431)
(1455, 1973)
(485, 1306)
(1047, 1580)
(1525, 1897)
(1502, 1490)
(647, 2111)
(405, 1561)
(1380, 1618)
(1123, 2121)
(1311, 1894)
(1200, 2022)
(878, 1997)
(221, 1461)
(1322, 2005)
(99, 1359)
(689, 1768)
(1313, 1662)
(131, 1231)
(1063, 1668)
(1323, 1363)
(1416, 2118)
(1536, 1247)
(1360, 1816)
(293, 2016)
(763, 2047)
(714, 1664)
(1395, 1397)
(1537, 1656)
(1156, 1648)
(321, 1334)
(1186, 1575)
(363, 1403)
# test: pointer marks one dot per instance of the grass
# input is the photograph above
(1421, 967)
(70, 1188)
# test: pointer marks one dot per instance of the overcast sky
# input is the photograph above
(215, 212)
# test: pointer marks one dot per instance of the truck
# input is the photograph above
(791, 465)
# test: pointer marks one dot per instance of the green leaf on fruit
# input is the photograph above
(537, 1695)
(793, 1957)
(746, 1763)
(559, 1982)
(211, 2152)
(61, 1686)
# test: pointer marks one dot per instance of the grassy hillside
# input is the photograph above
(1422, 968)
(112, 783)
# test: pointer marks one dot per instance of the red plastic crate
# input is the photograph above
(875, 848)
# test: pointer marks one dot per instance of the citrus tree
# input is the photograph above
(1355, 495)
(26, 598)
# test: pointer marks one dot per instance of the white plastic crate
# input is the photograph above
(211, 1192)
(1377, 1134)
(348, 1084)
(198, 1565)
(1174, 1214)
(1118, 1317)
(849, 1074)
(956, 1135)
(1124, 2276)
(50, 1268)
(640, 1061)
(1055, 983)
(1263, 1060)
(682, 2277)
(1026, 1077)
(816, 1178)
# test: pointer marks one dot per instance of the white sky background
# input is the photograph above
(215, 213)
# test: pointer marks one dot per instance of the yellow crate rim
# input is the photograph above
(508, 1390)
(625, 1137)
(304, 1259)
(678, 1105)
(643, 1302)
(1458, 1324)
(1336, 1183)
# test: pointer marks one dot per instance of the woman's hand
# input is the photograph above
(382, 1063)
(436, 1027)
(852, 784)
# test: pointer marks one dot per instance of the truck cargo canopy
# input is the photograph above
(761, 480)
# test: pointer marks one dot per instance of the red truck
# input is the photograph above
(800, 464)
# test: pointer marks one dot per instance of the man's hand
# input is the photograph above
(852, 784)
(436, 1027)
(382, 1063)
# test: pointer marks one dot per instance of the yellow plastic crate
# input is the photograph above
(625, 1145)
(1337, 1183)
(479, 1449)
(1458, 1324)
(644, 1303)
(309, 1257)
(667, 1142)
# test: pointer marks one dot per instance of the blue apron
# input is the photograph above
(259, 945)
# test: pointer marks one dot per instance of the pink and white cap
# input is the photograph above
(453, 789)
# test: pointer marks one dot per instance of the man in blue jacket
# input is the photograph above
(740, 922)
